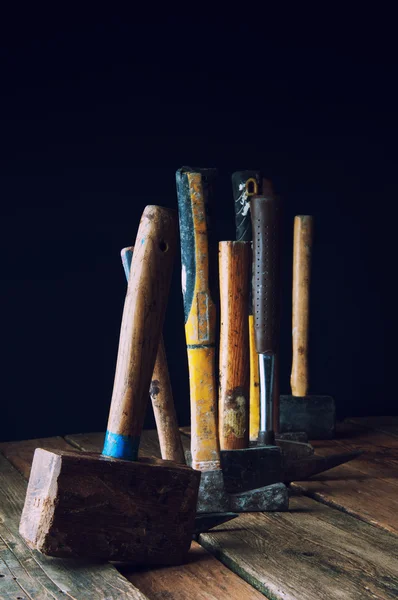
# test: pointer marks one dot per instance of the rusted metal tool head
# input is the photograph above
(303, 469)
(248, 470)
(218, 492)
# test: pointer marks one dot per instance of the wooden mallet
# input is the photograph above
(113, 505)
(313, 414)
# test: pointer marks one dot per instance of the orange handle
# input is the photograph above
(234, 266)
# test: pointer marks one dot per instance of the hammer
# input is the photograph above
(115, 506)
(315, 414)
(263, 463)
(161, 393)
(194, 188)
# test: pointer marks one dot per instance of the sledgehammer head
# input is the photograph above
(316, 415)
(86, 505)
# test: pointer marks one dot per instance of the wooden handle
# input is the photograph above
(141, 328)
(193, 188)
(161, 394)
(234, 266)
(254, 413)
(303, 228)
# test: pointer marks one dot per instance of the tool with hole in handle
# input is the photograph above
(115, 506)
(143, 317)
(161, 393)
(313, 414)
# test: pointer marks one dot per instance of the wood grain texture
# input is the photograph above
(161, 392)
(254, 412)
(81, 504)
(39, 577)
(387, 425)
(302, 246)
(200, 315)
(311, 552)
(201, 578)
(20, 454)
(164, 409)
(142, 320)
(233, 408)
(366, 487)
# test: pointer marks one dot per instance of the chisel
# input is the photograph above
(266, 301)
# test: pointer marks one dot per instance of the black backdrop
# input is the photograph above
(97, 113)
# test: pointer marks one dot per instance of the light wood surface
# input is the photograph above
(142, 320)
(301, 303)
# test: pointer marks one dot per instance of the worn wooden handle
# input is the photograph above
(303, 229)
(141, 328)
(234, 266)
(161, 394)
(200, 316)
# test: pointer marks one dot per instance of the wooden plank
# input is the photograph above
(387, 425)
(367, 487)
(311, 552)
(20, 454)
(202, 578)
(41, 577)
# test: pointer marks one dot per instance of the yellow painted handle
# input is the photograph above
(303, 228)
(254, 420)
(200, 320)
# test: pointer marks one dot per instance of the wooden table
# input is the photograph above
(339, 539)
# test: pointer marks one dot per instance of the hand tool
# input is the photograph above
(244, 185)
(315, 414)
(166, 420)
(113, 506)
(233, 414)
(262, 464)
(161, 394)
(241, 192)
(266, 302)
(193, 190)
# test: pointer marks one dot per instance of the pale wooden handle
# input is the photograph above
(234, 263)
(303, 228)
(164, 410)
(141, 329)
(161, 393)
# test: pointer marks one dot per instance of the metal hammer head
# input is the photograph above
(316, 415)
(251, 468)
(83, 504)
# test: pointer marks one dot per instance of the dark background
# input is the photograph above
(97, 113)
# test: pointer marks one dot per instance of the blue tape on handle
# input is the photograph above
(117, 445)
